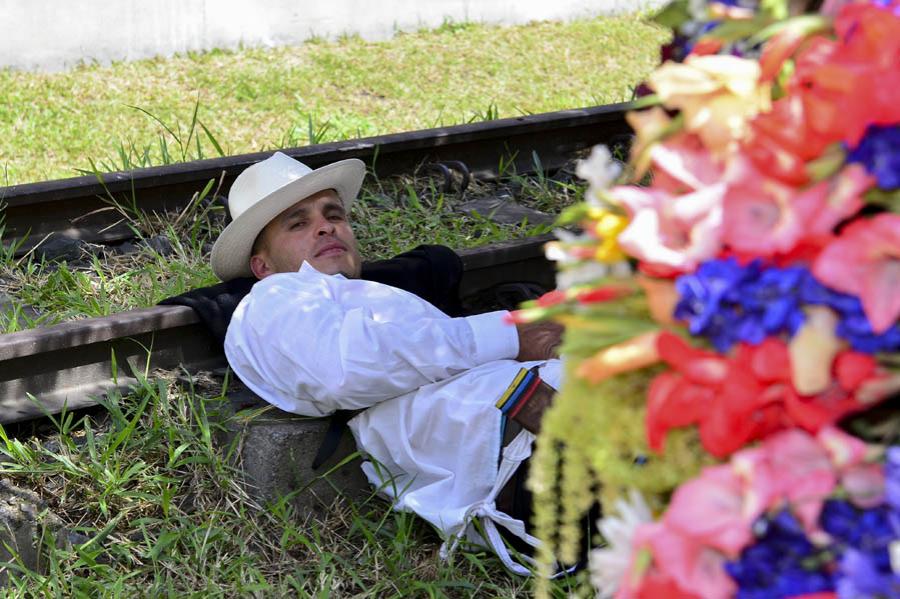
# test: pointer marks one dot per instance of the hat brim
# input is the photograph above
(231, 253)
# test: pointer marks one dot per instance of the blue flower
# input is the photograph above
(773, 298)
(879, 152)
(782, 562)
(709, 300)
(729, 303)
(853, 325)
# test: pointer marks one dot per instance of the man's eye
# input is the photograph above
(336, 217)
(298, 224)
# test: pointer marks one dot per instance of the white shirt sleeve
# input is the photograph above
(312, 343)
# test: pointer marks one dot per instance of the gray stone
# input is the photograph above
(161, 245)
(25, 527)
(123, 248)
(275, 451)
(503, 210)
(59, 248)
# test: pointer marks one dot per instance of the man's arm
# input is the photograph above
(302, 349)
(539, 341)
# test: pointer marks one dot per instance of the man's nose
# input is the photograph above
(325, 227)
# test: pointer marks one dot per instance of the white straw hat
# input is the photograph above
(265, 190)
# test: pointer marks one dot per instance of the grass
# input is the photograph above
(158, 509)
(255, 99)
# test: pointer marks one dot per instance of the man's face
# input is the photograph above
(315, 230)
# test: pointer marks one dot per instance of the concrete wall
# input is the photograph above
(56, 34)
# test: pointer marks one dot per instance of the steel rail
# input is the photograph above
(43, 371)
(80, 207)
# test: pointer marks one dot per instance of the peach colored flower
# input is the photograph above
(813, 349)
(634, 354)
(717, 95)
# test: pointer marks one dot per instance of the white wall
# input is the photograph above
(56, 34)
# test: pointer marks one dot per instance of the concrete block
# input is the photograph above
(25, 526)
(275, 451)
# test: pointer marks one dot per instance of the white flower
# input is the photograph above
(582, 274)
(894, 551)
(609, 565)
(588, 272)
(600, 170)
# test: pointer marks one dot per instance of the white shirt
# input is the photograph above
(311, 343)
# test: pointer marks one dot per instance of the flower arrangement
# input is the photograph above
(732, 347)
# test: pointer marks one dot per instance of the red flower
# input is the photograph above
(852, 82)
(781, 142)
(854, 368)
(551, 298)
(748, 396)
(604, 294)
(707, 45)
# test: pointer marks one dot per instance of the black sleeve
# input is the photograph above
(432, 272)
(214, 305)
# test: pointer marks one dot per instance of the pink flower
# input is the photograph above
(682, 164)
(712, 509)
(864, 484)
(765, 217)
(673, 231)
(805, 471)
(865, 261)
(844, 450)
(678, 567)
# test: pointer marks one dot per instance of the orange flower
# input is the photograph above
(661, 298)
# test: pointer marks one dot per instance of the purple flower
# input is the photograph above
(879, 152)
(862, 540)
(892, 478)
(860, 576)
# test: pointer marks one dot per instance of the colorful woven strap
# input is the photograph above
(519, 390)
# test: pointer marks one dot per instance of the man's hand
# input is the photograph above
(539, 341)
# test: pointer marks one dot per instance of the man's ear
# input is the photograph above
(260, 266)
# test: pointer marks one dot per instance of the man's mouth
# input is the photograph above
(334, 248)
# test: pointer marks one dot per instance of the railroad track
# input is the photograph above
(43, 371)
(80, 207)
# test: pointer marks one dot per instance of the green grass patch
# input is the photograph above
(256, 99)
(159, 509)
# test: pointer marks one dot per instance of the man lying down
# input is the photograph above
(434, 391)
